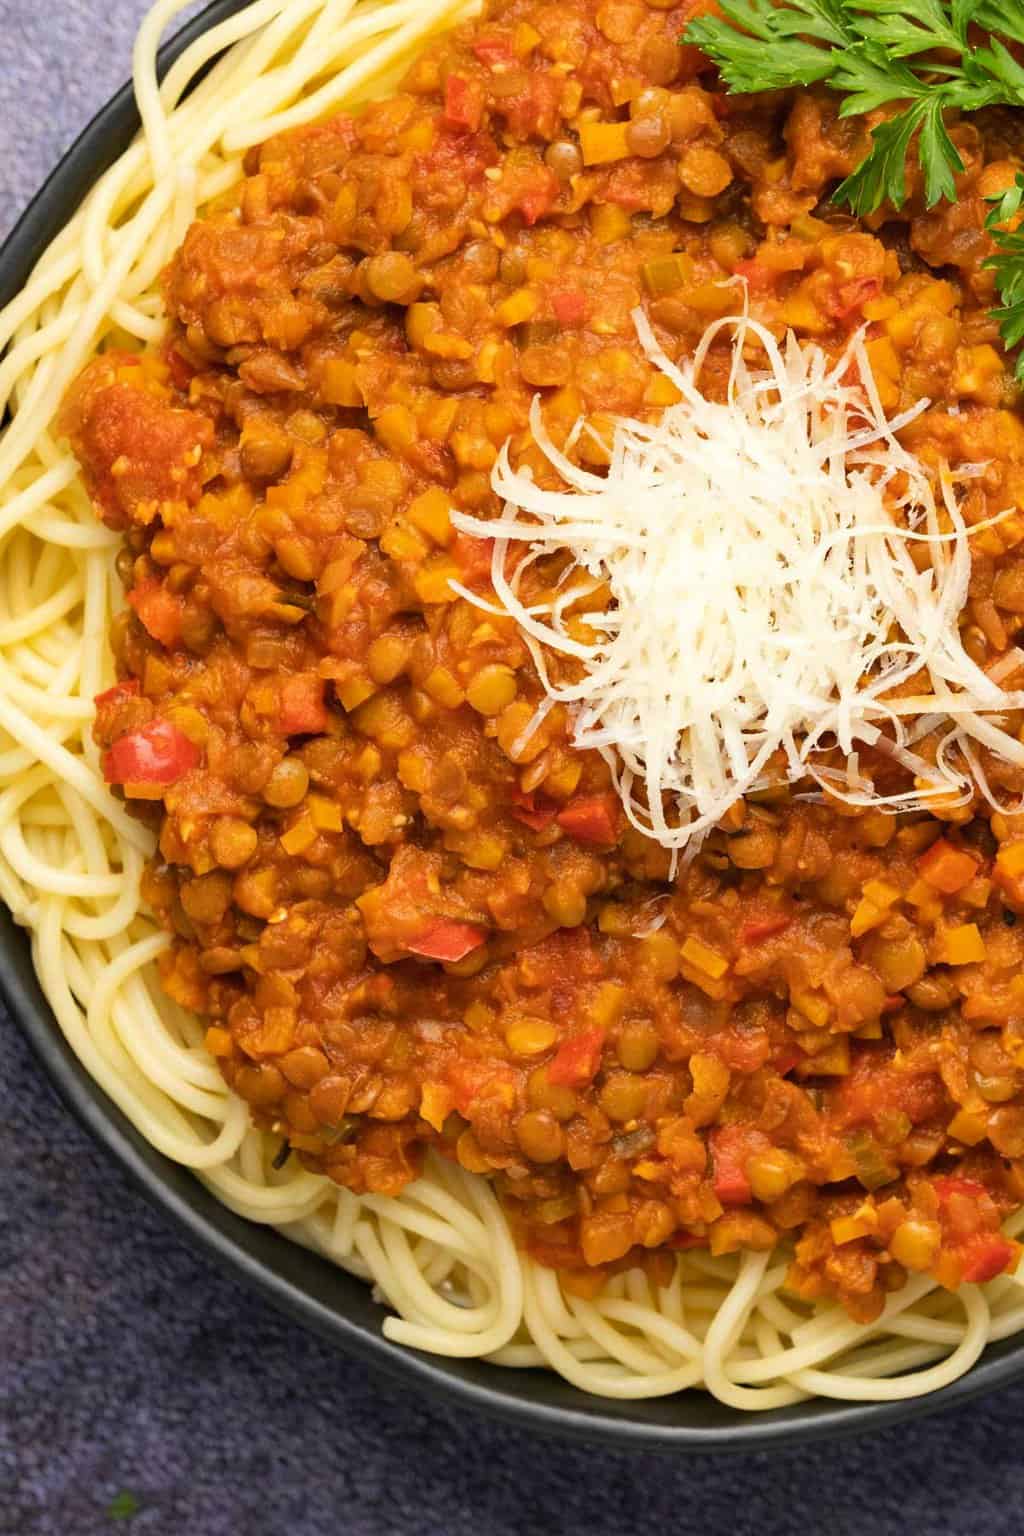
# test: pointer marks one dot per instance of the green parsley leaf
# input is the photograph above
(939, 156)
(1008, 265)
(881, 176)
(916, 56)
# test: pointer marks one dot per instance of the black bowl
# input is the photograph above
(336, 1305)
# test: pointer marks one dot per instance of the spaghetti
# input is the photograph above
(441, 1254)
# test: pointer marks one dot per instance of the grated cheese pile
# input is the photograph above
(764, 596)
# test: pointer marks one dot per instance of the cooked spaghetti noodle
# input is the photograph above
(441, 1254)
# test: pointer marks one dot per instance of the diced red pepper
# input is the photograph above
(590, 819)
(731, 1146)
(160, 612)
(570, 308)
(986, 1255)
(533, 810)
(684, 1240)
(303, 711)
(463, 103)
(946, 868)
(893, 1003)
(577, 1059)
(765, 928)
(493, 51)
(448, 940)
(158, 753)
(129, 689)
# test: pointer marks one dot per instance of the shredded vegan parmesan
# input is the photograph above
(764, 599)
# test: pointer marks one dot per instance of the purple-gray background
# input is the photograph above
(128, 1363)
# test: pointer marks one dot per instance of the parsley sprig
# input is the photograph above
(1008, 264)
(917, 56)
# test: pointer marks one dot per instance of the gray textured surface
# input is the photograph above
(128, 1362)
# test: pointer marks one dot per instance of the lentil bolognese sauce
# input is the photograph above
(752, 1110)
(411, 911)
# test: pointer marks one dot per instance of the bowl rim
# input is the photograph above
(297, 1281)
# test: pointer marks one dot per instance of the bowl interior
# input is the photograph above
(321, 1296)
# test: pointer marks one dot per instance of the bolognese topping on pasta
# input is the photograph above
(405, 885)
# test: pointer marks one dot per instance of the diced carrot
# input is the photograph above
(447, 940)
(577, 1059)
(946, 868)
(590, 819)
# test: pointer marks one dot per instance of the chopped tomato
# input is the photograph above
(445, 939)
(470, 1079)
(875, 1087)
(787, 1058)
(946, 868)
(577, 1059)
(303, 711)
(759, 277)
(533, 810)
(986, 1255)
(849, 298)
(129, 689)
(590, 819)
(159, 611)
(493, 51)
(954, 1184)
(534, 201)
(731, 1146)
(182, 372)
(456, 152)
(764, 928)
(158, 753)
(463, 103)
(533, 111)
(570, 308)
(473, 556)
